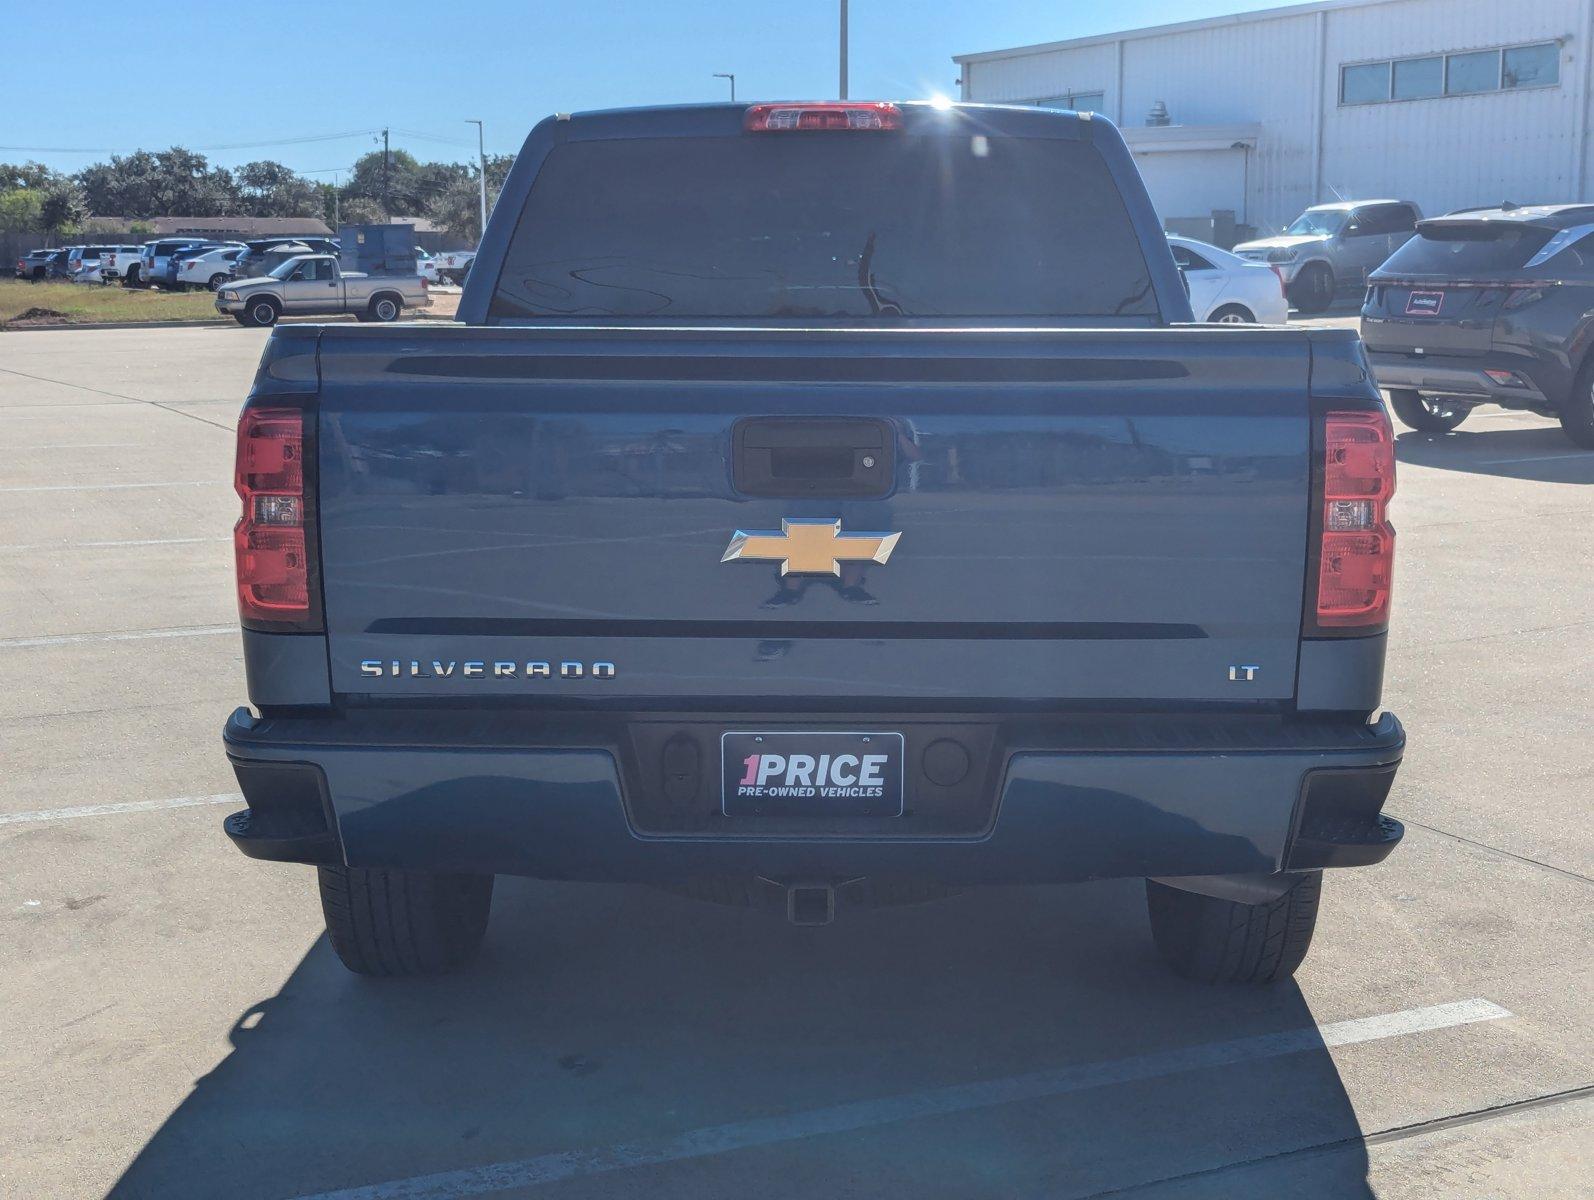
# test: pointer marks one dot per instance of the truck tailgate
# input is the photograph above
(1082, 514)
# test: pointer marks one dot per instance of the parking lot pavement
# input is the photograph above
(175, 1025)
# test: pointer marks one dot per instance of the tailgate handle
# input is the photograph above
(792, 457)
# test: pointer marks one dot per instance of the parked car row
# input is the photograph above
(178, 264)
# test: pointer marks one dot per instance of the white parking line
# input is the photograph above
(933, 1102)
(1500, 462)
(133, 635)
(69, 545)
(106, 810)
(112, 487)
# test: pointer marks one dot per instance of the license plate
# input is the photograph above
(797, 774)
(1424, 304)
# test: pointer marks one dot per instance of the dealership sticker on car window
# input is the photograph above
(1424, 304)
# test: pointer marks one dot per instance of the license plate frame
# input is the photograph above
(750, 788)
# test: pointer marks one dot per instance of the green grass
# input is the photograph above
(87, 303)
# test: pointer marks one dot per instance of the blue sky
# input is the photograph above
(303, 69)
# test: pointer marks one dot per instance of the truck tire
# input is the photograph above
(385, 308)
(132, 278)
(1313, 289)
(1224, 941)
(387, 922)
(1577, 410)
(262, 311)
(1428, 416)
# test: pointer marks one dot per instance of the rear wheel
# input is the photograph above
(1577, 412)
(1225, 941)
(217, 281)
(132, 278)
(1313, 289)
(384, 922)
(1234, 314)
(385, 308)
(1430, 414)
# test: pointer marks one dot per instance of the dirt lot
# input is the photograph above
(176, 1027)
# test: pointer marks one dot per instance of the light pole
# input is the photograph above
(843, 49)
(481, 169)
(732, 78)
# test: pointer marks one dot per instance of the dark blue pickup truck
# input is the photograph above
(822, 505)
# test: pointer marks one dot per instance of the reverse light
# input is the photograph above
(831, 115)
(272, 541)
(1357, 543)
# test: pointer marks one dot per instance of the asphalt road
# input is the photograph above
(173, 1025)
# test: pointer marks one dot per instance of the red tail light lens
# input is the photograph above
(835, 115)
(1356, 555)
(272, 539)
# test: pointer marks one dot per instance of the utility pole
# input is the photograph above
(387, 210)
(732, 78)
(481, 167)
(843, 49)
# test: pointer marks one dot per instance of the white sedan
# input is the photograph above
(1225, 287)
(207, 269)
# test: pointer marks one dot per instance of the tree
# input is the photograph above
(361, 210)
(20, 210)
(63, 208)
(399, 190)
(174, 182)
(458, 210)
(269, 189)
(32, 175)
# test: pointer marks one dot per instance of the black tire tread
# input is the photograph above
(1414, 414)
(1212, 940)
(389, 922)
(1577, 413)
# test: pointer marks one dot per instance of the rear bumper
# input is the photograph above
(1156, 796)
(1464, 377)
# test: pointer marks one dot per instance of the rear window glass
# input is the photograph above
(838, 226)
(1463, 250)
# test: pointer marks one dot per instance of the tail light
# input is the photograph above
(834, 115)
(274, 539)
(1356, 546)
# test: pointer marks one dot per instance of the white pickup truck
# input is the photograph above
(314, 284)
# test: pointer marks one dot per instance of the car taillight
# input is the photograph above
(830, 115)
(274, 538)
(1357, 547)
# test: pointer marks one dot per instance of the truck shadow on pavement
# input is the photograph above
(1541, 455)
(601, 1021)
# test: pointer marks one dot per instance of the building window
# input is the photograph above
(1419, 78)
(1463, 74)
(1077, 101)
(1364, 84)
(1531, 66)
(1466, 73)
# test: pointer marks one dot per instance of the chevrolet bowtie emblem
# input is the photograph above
(807, 547)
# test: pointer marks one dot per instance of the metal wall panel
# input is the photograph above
(1444, 152)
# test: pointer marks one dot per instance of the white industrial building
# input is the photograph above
(1450, 103)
